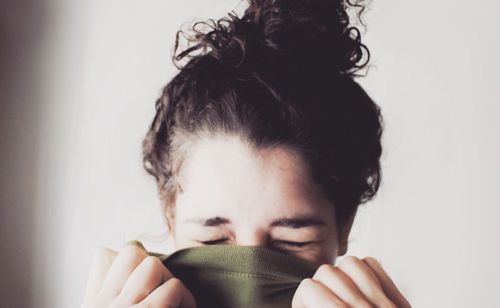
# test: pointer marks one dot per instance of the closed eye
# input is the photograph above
(214, 242)
(279, 242)
(294, 244)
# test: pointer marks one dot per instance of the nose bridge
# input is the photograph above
(252, 236)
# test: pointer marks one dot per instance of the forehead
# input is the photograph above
(225, 175)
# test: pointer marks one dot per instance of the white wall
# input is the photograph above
(435, 74)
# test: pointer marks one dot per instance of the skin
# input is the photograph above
(233, 193)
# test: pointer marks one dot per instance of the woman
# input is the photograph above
(262, 139)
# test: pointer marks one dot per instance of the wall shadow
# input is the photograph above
(21, 29)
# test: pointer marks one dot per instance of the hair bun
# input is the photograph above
(310, 33)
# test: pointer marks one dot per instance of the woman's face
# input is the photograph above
(234, 194)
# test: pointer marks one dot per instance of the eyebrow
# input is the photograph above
(298, 222)
(294, 223)
(210, 222)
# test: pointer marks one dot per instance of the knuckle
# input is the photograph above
(304, 287)
(132, 251)
(372, 260)
(152, 263)
(175, 283)
(307, 283)
(325, 269)
(103, 253)
(349, 261)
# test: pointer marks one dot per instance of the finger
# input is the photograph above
(144, 279)
(366, 281)
(125, 263)
(340, 284)
(172, 294)
(311, 293)
(386, 282)
(103, 258)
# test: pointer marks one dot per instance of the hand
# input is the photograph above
(132, 278)
(354, 283)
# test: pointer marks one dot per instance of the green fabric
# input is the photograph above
(229, 276)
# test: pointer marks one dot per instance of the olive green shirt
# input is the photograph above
(227, 276)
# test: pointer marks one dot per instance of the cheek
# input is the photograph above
(180, 241)
(325, 252)
(331, 250)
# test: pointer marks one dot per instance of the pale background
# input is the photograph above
(78, 84)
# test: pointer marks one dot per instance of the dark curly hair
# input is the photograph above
(282, 74)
